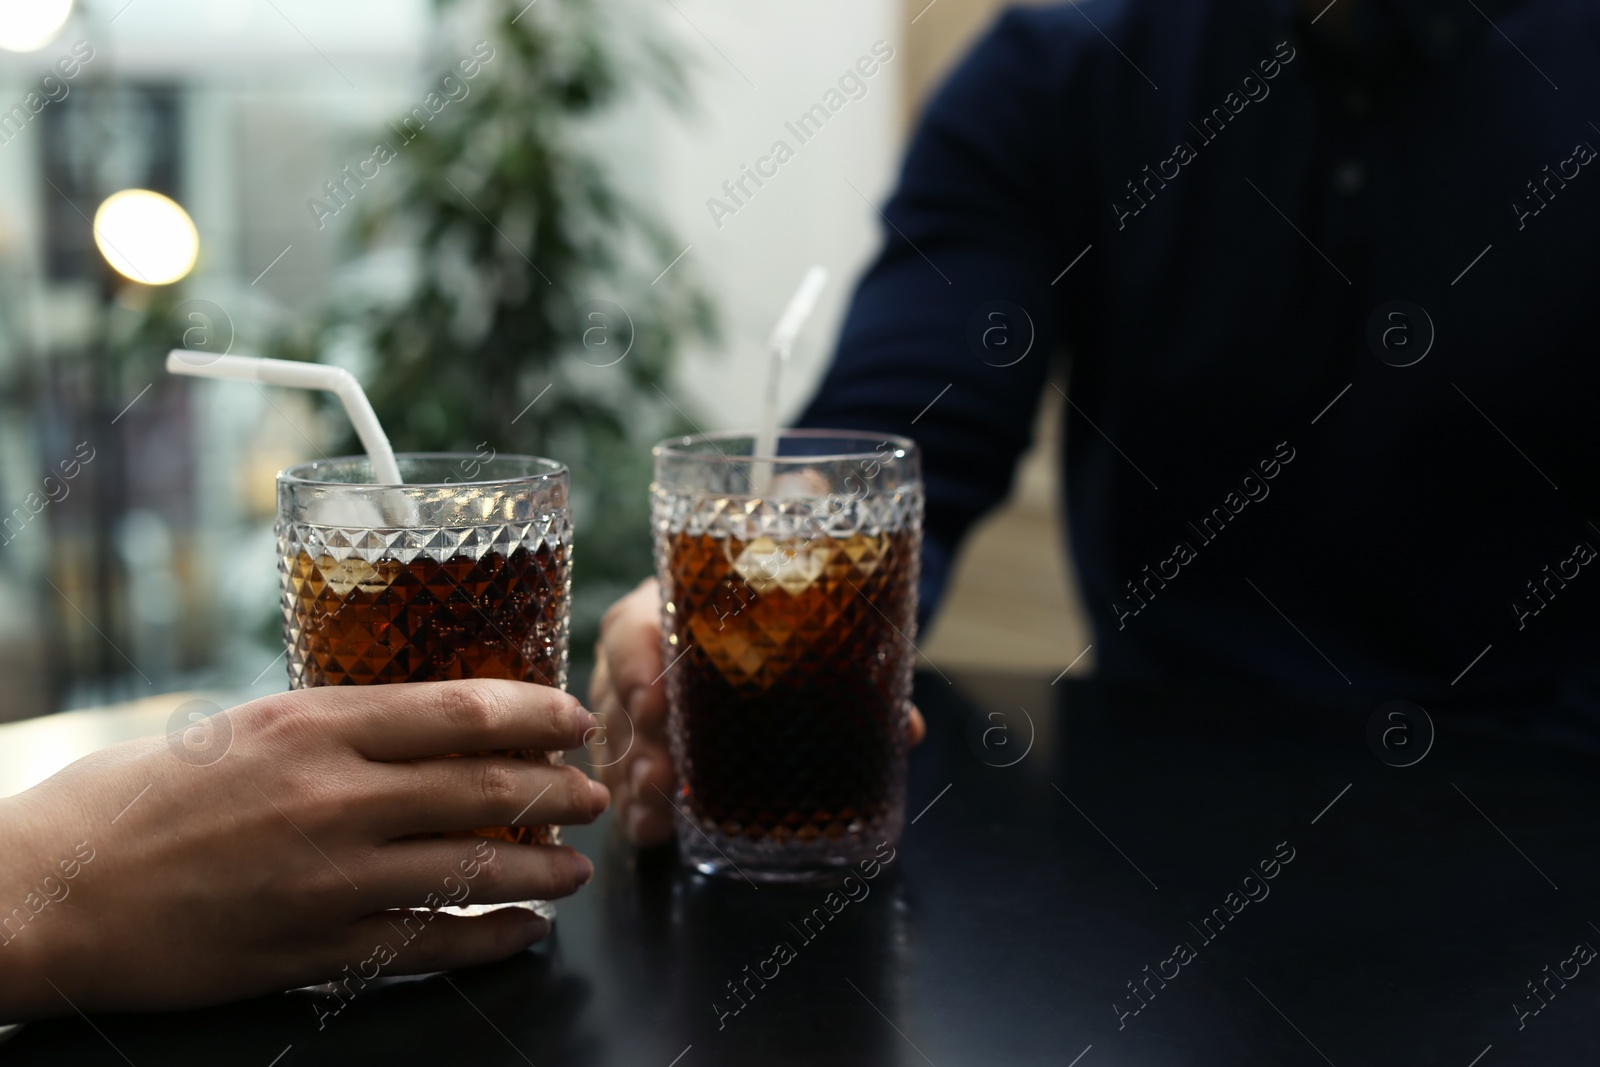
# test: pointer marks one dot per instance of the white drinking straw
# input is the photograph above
(297, 375)
(779, 345)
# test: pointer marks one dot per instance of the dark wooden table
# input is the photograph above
(1067, 841)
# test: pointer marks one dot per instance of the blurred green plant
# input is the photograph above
(528, 275)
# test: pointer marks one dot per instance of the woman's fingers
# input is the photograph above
(422, 719)
(461, 870)
(400, 942)
(463, 793)
(916, 727)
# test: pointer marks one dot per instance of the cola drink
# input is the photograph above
(787, 625)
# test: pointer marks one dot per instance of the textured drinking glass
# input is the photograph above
(788, 617)
(463, 572)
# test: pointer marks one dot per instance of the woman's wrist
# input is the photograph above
(31, 887)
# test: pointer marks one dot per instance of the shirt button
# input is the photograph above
(1349, 177)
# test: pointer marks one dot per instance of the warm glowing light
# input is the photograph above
(29, 25)
(146, 237)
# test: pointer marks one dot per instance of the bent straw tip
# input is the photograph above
(800, 307)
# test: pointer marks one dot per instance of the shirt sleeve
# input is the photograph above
(950, 333)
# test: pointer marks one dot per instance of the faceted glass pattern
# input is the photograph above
(366, 607)
(788, 628)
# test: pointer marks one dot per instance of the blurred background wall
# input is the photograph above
(241, 111)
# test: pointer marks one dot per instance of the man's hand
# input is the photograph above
(629, 698)
(140, 879)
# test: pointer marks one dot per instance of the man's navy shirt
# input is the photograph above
(1329, 318)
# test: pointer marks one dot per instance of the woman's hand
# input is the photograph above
(142, 877)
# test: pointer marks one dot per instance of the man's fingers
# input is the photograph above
(648, 814)
(611, 742)
(630, 699)
(630, 648)
(440, 718)
(648, 826)
(600, 691)
(648, 764)
(428, 796)
(407, 942)
(464, 870)
(651, 777)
